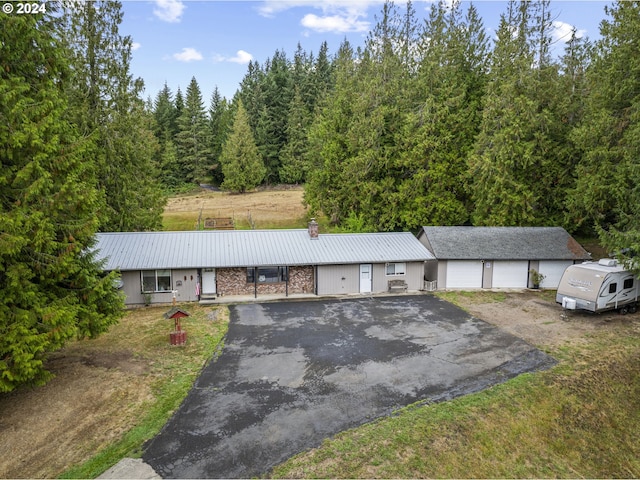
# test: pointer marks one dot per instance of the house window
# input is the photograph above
(395, 269)
(156, 281)
(628, 283)
(267, 274)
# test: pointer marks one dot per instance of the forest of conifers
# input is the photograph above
(429, 123)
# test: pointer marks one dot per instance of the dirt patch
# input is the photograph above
(537, 319)
(90, 403)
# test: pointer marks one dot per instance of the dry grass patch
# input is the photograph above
(265, 208)
(103, 390)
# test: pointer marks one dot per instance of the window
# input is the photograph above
(395, 269)
(613, 287)
(268, 274)
(156, 281)
(628, 283)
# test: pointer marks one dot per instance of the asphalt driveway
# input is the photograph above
(294, 373)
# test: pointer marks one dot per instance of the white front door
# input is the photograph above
(365, 278)
(208, 281)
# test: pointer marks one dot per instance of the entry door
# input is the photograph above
(365, 278)
(208, 281)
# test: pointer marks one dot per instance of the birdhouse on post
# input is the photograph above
(178, 336)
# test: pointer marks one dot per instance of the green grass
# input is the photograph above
(174, 369)
(580, 419)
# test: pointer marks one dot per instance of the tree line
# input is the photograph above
(431, 122)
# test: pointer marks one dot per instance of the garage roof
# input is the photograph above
(502, 243)
(244, 248)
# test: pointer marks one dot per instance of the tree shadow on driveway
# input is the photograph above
(294, 373)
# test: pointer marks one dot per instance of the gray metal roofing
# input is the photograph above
(244, 248)
(505, 243)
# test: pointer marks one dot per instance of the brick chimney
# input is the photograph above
(313, 229)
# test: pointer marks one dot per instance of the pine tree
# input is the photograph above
(440, 132)
(330, 146)
(105, 103)
(271, 130)
(220, 123)
(607, 194)
(509, 165)
(193, 139)
(241, 162)
(165, 115)
(294, 168)
(51, 288)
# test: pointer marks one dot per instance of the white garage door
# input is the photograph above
(510, 274)
(553, 270)
(464, 274)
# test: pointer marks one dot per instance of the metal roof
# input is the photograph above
(503, 243)
(244, 248)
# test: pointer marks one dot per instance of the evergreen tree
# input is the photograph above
(440, 132)
(294, 166)
(271, 130)
(241, 163)
(51, 288)
(330, 145)
(510, 165)
(193, 139)
(105, 103)
(220, 123)
(165, 115)
(607, 193)
(322, 78)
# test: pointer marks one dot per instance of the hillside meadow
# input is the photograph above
(260, 209)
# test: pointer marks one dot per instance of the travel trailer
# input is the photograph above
(598, 287)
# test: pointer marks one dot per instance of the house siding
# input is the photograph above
(413, 276)
(338, 279)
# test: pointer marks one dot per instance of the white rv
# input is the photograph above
(598, 287)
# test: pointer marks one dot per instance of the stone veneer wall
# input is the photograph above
(233, 281)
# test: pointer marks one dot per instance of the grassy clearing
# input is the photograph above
(171, 371)
(580, 419)
(265, 209)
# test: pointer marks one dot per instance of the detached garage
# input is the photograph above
(498, 257)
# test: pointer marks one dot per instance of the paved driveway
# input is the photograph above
(294, 373)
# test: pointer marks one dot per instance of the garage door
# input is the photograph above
(552, 270)
(464, 274)
(514, 274)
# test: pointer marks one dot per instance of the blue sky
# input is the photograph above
(213, 40)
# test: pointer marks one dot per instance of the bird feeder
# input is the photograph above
(178, 336)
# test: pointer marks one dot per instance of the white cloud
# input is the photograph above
(562, 32)
(241, 57)
(188, 55)
(135, 46)
(169, 10)
(338, 16)
(334, 23)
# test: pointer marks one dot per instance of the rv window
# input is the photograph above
(628, 283)
(613, 287)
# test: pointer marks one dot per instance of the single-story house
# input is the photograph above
(196, 265)
(499, 257)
